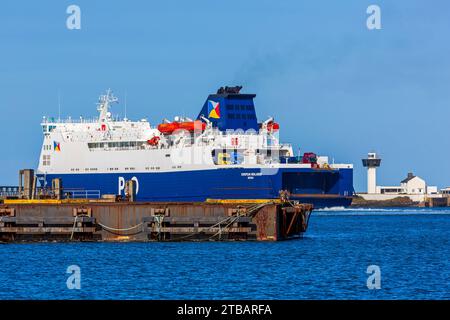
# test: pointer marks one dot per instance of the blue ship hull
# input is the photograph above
(320, 187)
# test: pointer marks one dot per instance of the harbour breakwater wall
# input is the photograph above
(401, 201)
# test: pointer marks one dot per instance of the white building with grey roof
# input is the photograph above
(412, 186)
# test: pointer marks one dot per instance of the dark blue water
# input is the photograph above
(411, 247)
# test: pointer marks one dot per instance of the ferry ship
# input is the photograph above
(224, 153)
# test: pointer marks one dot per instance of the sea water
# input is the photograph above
(409, 249)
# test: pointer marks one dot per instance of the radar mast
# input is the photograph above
(103, 105)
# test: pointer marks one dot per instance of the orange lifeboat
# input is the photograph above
(193, 125)
(168, 128)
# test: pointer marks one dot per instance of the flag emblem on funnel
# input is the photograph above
(213, 109)
(56, 146)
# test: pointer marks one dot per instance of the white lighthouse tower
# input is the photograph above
(372, 162)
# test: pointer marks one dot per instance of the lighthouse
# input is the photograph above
(372, 162)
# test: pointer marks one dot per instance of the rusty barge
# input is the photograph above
(32, 215)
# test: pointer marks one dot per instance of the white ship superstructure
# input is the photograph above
(165, 159)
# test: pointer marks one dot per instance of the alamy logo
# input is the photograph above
(374, 20)
(374, 280)
(74, 280)
(73, 21)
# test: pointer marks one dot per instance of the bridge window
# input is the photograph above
(124, 145)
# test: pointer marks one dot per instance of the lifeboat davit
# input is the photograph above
(168, 128)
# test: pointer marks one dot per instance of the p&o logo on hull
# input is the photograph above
(122, 185)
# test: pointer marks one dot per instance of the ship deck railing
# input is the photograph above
(9, 191)
(13, 191)
(82, 194)
(53, 120)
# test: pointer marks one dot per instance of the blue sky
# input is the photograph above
(335, 87)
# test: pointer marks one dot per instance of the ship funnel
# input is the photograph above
(230, 109)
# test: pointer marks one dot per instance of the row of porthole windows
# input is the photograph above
(116, 169)
(122, 144)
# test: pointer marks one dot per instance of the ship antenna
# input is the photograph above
(59, 105)
(125, 105)
(103, 105)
